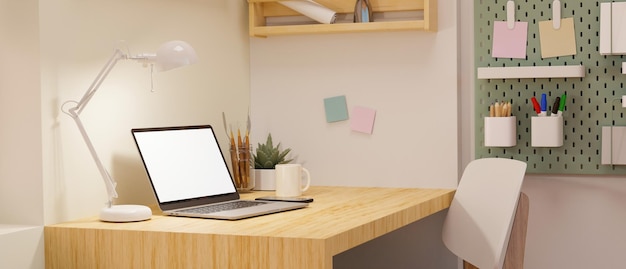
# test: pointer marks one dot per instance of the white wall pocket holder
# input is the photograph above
(613, 29)
(500, 131)
(546, 131)
(614, 145)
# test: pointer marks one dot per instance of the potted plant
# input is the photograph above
(266, 158)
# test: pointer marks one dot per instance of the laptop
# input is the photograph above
(190, 178)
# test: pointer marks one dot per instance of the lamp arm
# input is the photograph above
(95, 85)
(75, 111)
(109, 182)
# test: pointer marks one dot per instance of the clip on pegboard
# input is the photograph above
(556, 14)
(510, 14)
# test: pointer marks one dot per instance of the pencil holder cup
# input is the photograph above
(546, 131)
(242, 165)
(500, 131)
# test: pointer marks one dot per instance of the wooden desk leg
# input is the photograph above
(514, 258)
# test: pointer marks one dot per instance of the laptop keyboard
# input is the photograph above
(221, 207)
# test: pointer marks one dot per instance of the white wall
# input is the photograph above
(410, 78)
(574, 221)
(78, 37)
(20, 114)
(21, 188)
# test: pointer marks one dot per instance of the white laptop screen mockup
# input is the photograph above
(184, 163)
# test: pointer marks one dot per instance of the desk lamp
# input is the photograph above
(169, 55)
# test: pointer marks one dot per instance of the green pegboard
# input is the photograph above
(592, 101)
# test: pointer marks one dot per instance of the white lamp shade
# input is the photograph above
(174, 54)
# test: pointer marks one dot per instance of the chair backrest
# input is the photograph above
(479, 221)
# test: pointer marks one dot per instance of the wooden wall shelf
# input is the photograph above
(260, 10)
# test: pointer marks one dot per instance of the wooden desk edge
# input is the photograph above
(389, 223)
(75, 242)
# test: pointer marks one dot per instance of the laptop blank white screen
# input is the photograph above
(184, 163)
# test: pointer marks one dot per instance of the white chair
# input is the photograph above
(485, 225)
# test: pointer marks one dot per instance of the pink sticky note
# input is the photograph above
(509, 43)
(362, 119)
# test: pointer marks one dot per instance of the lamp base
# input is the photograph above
(125, 213)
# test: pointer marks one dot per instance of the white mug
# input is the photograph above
(289, 178)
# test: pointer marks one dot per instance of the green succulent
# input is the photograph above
(267, 156)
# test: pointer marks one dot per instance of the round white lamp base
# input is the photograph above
(125, 213)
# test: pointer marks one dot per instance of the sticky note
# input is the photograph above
(336, 108)
(557, 42)
(362, 119)
(509, 43)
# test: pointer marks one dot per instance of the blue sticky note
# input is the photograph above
(336, 108)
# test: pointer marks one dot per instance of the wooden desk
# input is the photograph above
(339, 219)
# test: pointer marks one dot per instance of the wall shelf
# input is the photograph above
(531, 72)
(261, 10)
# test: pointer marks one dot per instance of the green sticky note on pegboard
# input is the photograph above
(336, 108)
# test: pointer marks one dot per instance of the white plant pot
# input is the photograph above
(265, 179)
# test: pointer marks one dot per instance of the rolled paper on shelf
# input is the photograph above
(312, 10)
